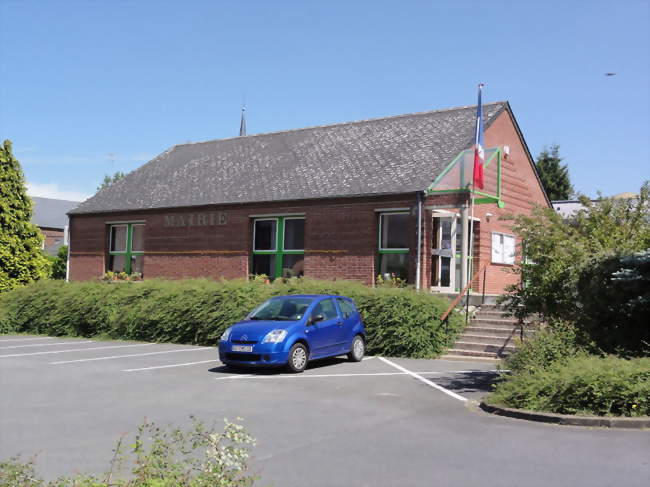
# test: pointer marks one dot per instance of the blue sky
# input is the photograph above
(85, 79)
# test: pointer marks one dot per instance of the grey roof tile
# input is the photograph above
(380, 156)
(51, 213)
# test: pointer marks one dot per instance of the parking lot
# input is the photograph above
(380, 422)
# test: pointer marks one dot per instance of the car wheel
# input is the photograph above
(298, 356)
(358, 349)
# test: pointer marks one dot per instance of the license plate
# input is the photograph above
(242, 348)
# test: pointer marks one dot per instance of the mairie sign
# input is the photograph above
(195, 220)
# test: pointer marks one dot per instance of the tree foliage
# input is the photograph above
(554, 175)
(109, 180)
(574, 269)
(21, 259)
(59, 263)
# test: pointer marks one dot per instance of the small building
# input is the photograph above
(345, 201)
(50, 216)
(568, 208)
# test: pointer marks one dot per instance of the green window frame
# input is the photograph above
(279, 251)
(386, 252)
(129, 252)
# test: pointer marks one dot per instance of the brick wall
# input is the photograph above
(340, 239)
(52, 236)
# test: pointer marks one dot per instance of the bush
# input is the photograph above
(557, 342)
(592, 269)
(162, 457)
(399, 322)
(59, 263)
(602, 386)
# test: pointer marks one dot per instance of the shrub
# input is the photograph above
(558, 341)
(602, 386)
(399, 322)
(575, 270)
(162, 457)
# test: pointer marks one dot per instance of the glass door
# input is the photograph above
(445, 262)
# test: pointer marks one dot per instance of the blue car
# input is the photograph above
(292, 330)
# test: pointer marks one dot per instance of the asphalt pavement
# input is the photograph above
(380, 422)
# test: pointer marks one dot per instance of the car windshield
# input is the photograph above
(284, 309)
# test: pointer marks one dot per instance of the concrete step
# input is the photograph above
(489, 315)
(487, 339)
(494, 322)
(482, 347)
(490, 307)
(470, 358)
(458, 352)
(492, 330)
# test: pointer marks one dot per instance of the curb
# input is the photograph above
(568, 419)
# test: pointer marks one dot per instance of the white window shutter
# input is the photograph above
(497, 249)
(508, 249)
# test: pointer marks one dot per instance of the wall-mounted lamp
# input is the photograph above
(488, 216)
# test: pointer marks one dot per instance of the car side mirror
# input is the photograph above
(316, 319)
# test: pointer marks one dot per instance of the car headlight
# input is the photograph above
(226, 335)
(275, 336)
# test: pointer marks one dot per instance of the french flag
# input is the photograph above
(479, 154)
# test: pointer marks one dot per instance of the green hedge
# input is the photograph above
(602, 386)
(399, 322)
(558, 341)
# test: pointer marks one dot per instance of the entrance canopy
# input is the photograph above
(457, 177)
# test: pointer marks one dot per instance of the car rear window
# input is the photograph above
(347, 308)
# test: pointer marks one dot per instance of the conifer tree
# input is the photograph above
(109, 180)
(554, 176)
(21, 258)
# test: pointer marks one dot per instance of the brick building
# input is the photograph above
(50, 217)
(345, 201)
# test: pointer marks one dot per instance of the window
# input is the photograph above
(279, 246)
(281, 309)
(347, 308)
(503, 248)
(325, 308)
(126, 248)
(394, 237)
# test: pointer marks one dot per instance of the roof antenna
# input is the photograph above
(242, 123)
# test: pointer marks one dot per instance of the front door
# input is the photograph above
(444, 266)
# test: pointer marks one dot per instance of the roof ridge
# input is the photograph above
(351, 122)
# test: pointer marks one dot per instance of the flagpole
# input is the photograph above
(470, 270)
(470, 240)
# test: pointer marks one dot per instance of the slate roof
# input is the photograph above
(51, 213)
(390, 155)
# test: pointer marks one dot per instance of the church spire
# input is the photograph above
(242, 124)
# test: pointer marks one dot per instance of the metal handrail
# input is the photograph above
(453, 304)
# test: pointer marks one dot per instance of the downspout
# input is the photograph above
(67, 262)
(418, 266)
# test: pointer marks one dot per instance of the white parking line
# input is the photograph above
(25, 339)
(74, 350)
(422, 379)
(46, 344)
(307, 376)
(169, 366)
(132, 355)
